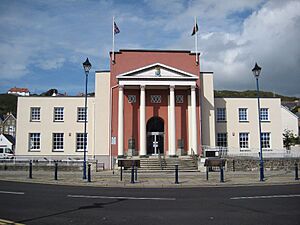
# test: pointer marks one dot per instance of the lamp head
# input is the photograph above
(256, 70)
(87, 65)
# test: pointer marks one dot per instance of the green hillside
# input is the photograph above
(252, 94)
(8, 103)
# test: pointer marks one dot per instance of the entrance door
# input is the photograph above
(155, 136)
(155, 143)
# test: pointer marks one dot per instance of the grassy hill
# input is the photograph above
(252, 94)
(8, 103)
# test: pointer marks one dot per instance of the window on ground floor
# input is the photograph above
(222, 139)
(80, 140)
(34, 142)
(58, 142)
(244, 141)
(265, 140)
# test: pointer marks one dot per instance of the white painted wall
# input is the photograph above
(102, 113)
(289, 120)
(233, 126)
(46, 126)
(207, 109)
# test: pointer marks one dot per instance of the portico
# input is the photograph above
(167, 96)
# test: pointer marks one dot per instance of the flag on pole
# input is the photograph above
(194, 33)
(116, 28)
(195, 29)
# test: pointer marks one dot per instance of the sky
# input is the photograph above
(44, 43)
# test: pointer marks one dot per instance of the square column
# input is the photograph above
(143, 151)
(193, 122)
(121, 123)
(172, 131)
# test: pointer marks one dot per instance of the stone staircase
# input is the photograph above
(152, 164)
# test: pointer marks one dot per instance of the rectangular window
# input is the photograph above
(155, 98)
(221, 114)
(179, 98)
(244, 141)
(265, 140)
(264, 114)
(243, 114)
(34, 142)
(81, 114)
(35, 114)
(222, 139)
(80, 142)
(58, 114)
(58, 142)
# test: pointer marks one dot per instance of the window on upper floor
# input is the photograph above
(155, 98)
(264, 114)
(222, 139)
(35, 114)
(243, 114)
(131, 99)
(58, 114)
(221, 114)
(58, 142)
(266, 140)
(179, 99)
(244, 141)
(34, 142)
(81, 114)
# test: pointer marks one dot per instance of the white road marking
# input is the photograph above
(265, 196)
(12, 193)
(121, 197)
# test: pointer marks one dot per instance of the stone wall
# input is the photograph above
(249, 164)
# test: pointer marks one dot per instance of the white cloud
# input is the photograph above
(232, 36)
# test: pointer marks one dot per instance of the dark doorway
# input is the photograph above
(155, 136)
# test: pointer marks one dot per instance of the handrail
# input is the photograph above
(159, 160)
(194, 156)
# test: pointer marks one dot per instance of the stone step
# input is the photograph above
(168, 164)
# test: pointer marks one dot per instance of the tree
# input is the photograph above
(289, 139)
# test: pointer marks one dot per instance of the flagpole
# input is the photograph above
(113, 44)
(196, 40)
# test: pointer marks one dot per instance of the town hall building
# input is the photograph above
(150, 103)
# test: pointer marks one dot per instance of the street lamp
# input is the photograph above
(256, 72)
(86, 66)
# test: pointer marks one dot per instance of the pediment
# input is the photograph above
(157, 71)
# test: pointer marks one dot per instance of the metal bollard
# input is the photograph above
(296, 172)
(261, 174)
(30, 169)
(55, 171)
(222, 174)
(136, 170)
(121, 173)
(176, 174)
(132, 174)
(207, 170)
(89, 172)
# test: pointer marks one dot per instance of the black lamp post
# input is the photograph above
(86, 66)
(256, 72)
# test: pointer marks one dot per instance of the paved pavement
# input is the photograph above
(152, 180)
(27, 203)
